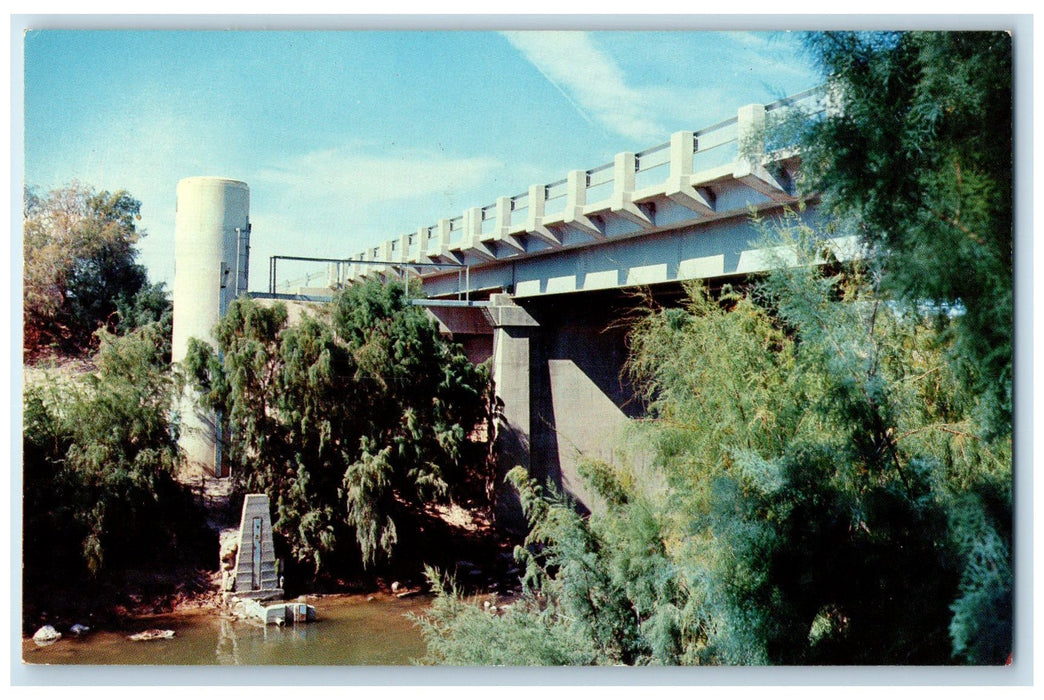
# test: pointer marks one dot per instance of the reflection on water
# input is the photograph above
(227, 649)
(351, 630)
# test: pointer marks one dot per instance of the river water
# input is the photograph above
(350, 630)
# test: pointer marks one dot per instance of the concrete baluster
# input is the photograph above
(386, 255)
(422, 244)
(444, 243)
(683, 144)
(679, 182)
(472, 224)
(444, 236)
(750, 168)
(750, 132)
(472, 241)
(576, 198)
(535, 217)
(404, 248)
(502, 225)
(622, 200)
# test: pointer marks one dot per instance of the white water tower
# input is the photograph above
(211, 264)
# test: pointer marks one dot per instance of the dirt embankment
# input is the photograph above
(111, 603)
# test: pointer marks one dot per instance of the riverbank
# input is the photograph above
(110, 604)
(479, 560)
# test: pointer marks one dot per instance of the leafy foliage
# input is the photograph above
(527, 633)
(79, 259)
(920, 153)
(829, 497)
(352, 420)
(149, 305)
(99, 457)
(835, 441)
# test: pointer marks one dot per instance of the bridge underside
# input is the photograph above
(562, 389)
(558, 343)
(557, 365)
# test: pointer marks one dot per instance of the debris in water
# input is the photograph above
(149, 635)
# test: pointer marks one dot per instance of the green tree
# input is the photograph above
(919, 153)
(99, 455)
(79, 259)
(527, 633)
(836, 441)
(149, 305)
(352, 420)
(827, 499)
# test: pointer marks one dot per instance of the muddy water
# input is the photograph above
(351, 630)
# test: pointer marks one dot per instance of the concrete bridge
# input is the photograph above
(539, 281)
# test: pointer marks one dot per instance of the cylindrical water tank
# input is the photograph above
(211, 244)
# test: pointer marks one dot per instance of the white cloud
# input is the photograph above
(364, 179)
(591, 80)
(336, 202)
(690, 79)
(144, 147)
(774, 54)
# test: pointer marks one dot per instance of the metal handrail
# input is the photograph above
(462, 269)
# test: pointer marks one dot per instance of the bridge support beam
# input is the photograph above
(560, 397)
(513, 334)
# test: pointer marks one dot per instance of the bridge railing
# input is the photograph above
(782, 133)
(555, 197)
(519, 205)
(599, 185)
(716, 145)
(813, 102)
(652, 166)
(630, 175)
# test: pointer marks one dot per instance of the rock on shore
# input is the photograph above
(46, 635)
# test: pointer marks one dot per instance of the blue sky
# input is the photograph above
(349, 138)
